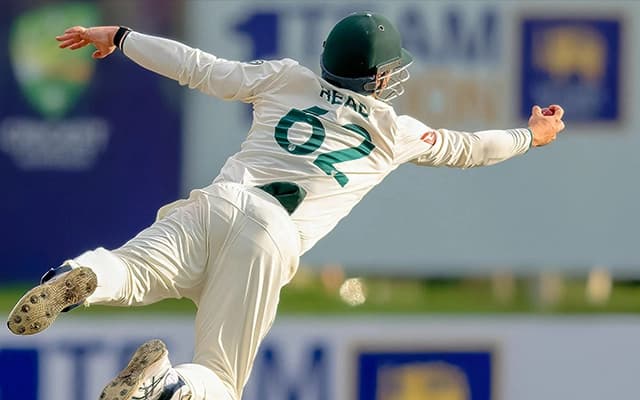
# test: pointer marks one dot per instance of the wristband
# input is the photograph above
(121, 34)
(530, 133)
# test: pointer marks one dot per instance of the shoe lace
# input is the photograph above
(149, 391)
(170, 385)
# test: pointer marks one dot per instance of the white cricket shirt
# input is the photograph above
(333, 142)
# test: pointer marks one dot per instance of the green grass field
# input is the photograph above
(310, 293)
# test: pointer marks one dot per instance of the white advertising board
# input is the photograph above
(354, 358)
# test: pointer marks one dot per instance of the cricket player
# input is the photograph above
(317, 146)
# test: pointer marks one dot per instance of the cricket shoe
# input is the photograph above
(148, 376)
(60, 289)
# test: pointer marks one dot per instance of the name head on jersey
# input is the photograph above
(363, 53)
(335, 97)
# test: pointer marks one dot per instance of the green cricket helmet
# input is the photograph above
(363, 53)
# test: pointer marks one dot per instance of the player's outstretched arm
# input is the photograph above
(472, 149)
(230, 80)
(102, 37)
(163, 56)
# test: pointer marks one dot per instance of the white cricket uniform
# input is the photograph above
(231, 247)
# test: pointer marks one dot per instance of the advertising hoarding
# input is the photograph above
(333, 358)
(89, 149)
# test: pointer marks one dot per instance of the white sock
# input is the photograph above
(204, 383)
(110, 271)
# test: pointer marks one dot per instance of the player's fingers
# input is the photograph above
(68, 43)
(76, 29)
(100, 54)
(79, 45)
(557, 110)
(560, 126)
(67, 36)
(536, 110)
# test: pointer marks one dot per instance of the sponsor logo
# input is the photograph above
(50, 79)
(574, 62)
(429, 137)
(52, 82)
(438, 374)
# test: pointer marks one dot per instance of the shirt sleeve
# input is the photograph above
(215, 76)
(425, 146)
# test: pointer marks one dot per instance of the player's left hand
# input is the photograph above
(78, 37)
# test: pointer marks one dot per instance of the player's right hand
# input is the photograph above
(100, 36)
(545, 124)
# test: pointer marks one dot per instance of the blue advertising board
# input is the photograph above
(88, 149)
(575, 62)
(438, 373)
(20, 374)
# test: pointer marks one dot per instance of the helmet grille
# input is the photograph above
(363, 53)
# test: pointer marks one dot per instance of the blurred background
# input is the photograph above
(517, 281)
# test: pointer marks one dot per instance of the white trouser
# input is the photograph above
(229, 248)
